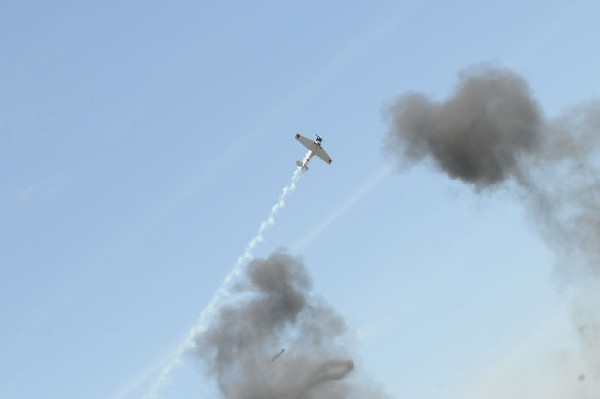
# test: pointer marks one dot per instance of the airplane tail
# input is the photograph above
(304, 168)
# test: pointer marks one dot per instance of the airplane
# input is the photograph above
(314, 148)
(277, 355)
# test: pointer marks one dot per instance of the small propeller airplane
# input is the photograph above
(277, 355)
(314, 148)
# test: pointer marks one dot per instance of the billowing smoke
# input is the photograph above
(480, 135)
(491, 134)
(271, 308)
(175, 359)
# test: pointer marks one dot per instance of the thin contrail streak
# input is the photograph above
(341, 209)
(187, 344)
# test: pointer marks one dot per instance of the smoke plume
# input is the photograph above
(175, 360)
(481, 135)
(272, 307)
(491, 133)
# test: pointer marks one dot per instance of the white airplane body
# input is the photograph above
(314, 148)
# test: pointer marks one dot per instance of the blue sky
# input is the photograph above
(142, 144)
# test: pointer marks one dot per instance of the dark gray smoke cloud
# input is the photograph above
(273, 308)
(481, 135)
(491, 133)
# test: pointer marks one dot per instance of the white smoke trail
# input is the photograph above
(188, 343)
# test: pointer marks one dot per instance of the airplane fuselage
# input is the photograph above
(304, 163)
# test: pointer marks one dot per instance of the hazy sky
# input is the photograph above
(143, 143)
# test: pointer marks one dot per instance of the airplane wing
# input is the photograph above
(308, 143)
(320, 152)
